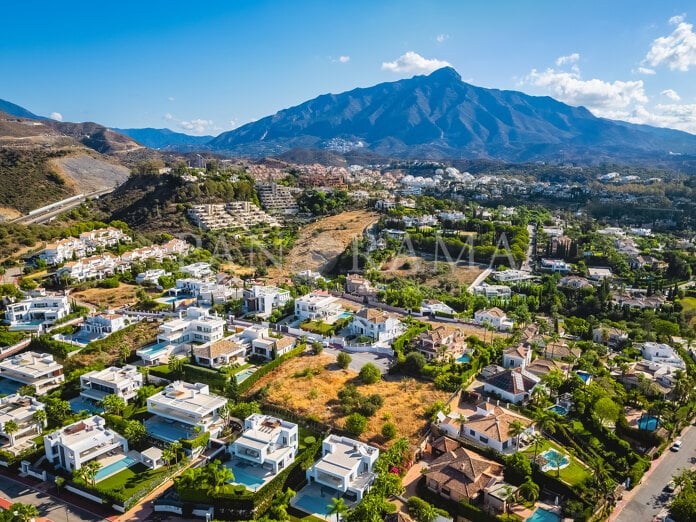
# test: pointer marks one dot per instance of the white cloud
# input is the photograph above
(56, 116)
(440, 38)
(344, 59)
(646, 70)
(197, 126)
(671, 115)
(671, 94)
(571, 58)
(171, 98)
(168, 117)
(597, 95)
(412, 62)
(678, 50)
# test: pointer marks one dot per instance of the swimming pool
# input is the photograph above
(648, 423)
(554, 460)
(465, 358)
(106, 471)
(586, 377)
(557, 408)
(152, 350)
(79, 404)
(345, 315)
(8, 387)
(243, 477)
(543, 515)
(312, 504)
(244, 374)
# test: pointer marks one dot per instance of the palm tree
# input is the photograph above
(176, 365)
(529, 490)
(509, 496)
(60, 481)
(176, 448)
(516, 429)
(89, 471)
(168, 456)
(25, 512)
(217, 477)
(537, 439)
(338, 507)
(548, 422)
(11, 427)
(40, 419)
(188, 479)
(113, 404)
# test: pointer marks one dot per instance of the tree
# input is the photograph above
(89, 471)
(113, 404)
(356, 424)
(317, 348)
(537, 440)
(57, 410)
(389, 430)
(423, 511)
(683, 508)
(216, 477)
(414, 363)
(168, 456)
(370, 374)
(60, 482)
(124, 352)
(11, 427)
(548, 422)
(517, 468)
(176, 365)
(135, 432)
(176, 448)
(516, 429)
(529, 490)
(338, 507)
(24, 512)
(40, 419)
(143, 393)
(343, 360)
(606, 410)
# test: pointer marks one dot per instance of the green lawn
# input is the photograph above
(131, 480)
(318, 327)
(573, 474)
(689, 309)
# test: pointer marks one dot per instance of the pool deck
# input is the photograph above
(314, 493)
(254, 470)
(110, 459)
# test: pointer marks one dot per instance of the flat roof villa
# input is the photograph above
(180, 408)
(36, 369)
(124, 382)
(20, 409)
(267, 446)
(317, 305)
(72, 446)
(36, 312)
(196, 328)
(346, 466)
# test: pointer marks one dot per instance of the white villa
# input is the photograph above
(662, 354)
(197, 270)
(317, 305)
(493, 291)
(346, 465)
(19, 409)
(519, 356)
(488, 424)
(181, 408)
(263, 299)
(267, 441)
(35, 312)
(72, 446)
(196, 328)
(220, 353)
(495, 317)
(103, 325)
(376, 324)
(512, 385)
(123, 382)
(151, 276)
(434, 307)
(39, 370)
(94, 267)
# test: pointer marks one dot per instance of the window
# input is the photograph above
(483, 439)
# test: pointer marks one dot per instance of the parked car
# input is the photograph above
(677, 445)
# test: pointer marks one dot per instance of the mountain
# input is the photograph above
(439, 116)
(15, 110)
(166, 139)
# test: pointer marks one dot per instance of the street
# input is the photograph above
(646, 501)
(360, 359)
(47, 505)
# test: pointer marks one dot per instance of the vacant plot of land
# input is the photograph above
(689, 310)
(109, 297)
(309, 385)
(412, 266)
(322, 241)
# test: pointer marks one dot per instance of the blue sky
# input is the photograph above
(208, 66)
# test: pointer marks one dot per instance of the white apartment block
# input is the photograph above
(346, 465)
(123, 382)
(20, 410)
(235, 214)
(317, 305)
(263, 299)
(103, 237)
(206, 292)
(71, 447)
(277, 199)
(198, 326)
(63, 250)
(94, 267)
(268, 442)
(36, 312)
(35, 369)
(493, 291)
(185, 407)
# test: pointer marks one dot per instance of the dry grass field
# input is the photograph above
(315, 392)
(411, 266)
(108, 297)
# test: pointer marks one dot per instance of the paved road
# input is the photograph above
(647, 500)
(48, 506)
(361, 359)
(527, 266)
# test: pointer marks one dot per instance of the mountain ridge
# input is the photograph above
(166, 139)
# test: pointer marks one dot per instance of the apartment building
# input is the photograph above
(277, 199)
(235, 214)
(39, 370)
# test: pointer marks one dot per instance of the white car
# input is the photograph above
(677, 445)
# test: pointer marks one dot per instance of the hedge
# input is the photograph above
(247, 383)
(201, 440)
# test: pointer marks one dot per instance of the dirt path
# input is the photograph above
(322, 241)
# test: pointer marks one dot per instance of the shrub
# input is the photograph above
(388, 430)
(343, 360)
(356, 424)
(317, 348)
(414, 363)
(370, 374)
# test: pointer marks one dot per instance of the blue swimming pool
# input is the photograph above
(243, 477)
(543, 515)
(586, 377)
(312, 504)
(558, 409)
(648, 423)
(106, 471)
(244, 374)
(154, 349)
(79, 404)
(554, 460)
(345, 315)
(465, 358)
(8, 387)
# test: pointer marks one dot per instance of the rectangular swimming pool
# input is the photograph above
(543, 515)
(106, 471)
(312, 504)
(244, 374)
(243, 477)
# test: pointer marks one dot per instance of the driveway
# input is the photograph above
(362, 358)
(647, 500)
(47, 505)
